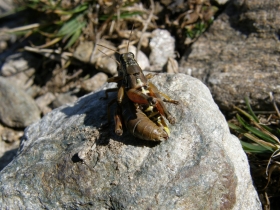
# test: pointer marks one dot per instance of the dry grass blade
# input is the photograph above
(274, 154)
(270, 171)
(253, 148)
(23, 28)
(255, 131)
(145, 26)
(245, 113)
(78, 9)
(236, 128)
(50, 43)
(267, 145)
(266, 132)
(266, 142)
(274, 103)
(251, 110)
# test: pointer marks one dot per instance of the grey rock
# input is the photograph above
(9, 143)
(84, 51)
(19, 68)
(3, 45)
(34, 91)
(17, 109)
(64, 98)
(172, 66)
(7, 152)
(44, 100)
(95, 82)
(87, 52)
(162, 47)
(239, 55)
(106, 65)
(66, 161)
(6, 6)
(9, 135)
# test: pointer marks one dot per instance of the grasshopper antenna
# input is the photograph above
(129, 38)
(108, 49)
(110, 57)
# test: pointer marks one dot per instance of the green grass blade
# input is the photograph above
(75, 36)
(78, 9)
(250, 110)
(253, 148)
(267, 132)
(244, 113)
(254, 130)
(236, 128)
(68, 28)
(269, 146)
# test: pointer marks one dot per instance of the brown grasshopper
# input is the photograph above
(139, 102)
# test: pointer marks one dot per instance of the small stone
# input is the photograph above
(84, 51)
(172, 66)
(43, 102)
(162, 47)
(9, 135)
(19, 68)
(94, 82)
(106, 65)
(62, 99)
(3, 45)
(87, 53)
(17, 109)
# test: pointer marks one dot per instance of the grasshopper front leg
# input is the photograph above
(117, 116)
(154, 92)
(112, 79)
(139, 97)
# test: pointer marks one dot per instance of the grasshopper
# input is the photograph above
(139, 103)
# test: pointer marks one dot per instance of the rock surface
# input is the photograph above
(17, 109)
(67, 162)
(97, 56)
(95, 82)
(9, 143)
(162, 47)
(239, 55)
(63, 99)
(19, 69)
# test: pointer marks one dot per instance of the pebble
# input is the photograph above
(87, 53)
(63, 98)
(19, 69)
(43, 102)
(162, 47)
(94, 82)
(17, 108)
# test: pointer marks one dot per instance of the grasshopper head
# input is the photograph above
(127, 59)
(129, 64)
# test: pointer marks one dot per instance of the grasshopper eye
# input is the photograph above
(130, 55)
